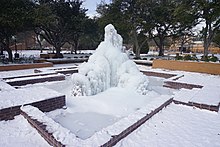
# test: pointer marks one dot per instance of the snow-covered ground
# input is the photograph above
(84, 113)
(9, 98)
(19, 133)
(177, 125)
(88, 115)
(116, 95)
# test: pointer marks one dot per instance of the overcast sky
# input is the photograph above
(91, 6)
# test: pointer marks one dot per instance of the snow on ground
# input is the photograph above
(86, 51)
(4, 86)
(189, 77)
(19, 133)
(209, 94)
(96, 118)
(177, 125)
(29, 53)
(18, 97)
(26, 72)
(13, 73)
(105, 134)
(84, 113)
(69, 65)
(200, 79)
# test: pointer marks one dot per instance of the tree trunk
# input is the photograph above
(7, 48)
(72, 48)
(58, 54)
(181, 47)
(76, 44)
(205, 45)
(1, 49)
(161, 46)
(40, 44)
(136, 44)
(206, 48)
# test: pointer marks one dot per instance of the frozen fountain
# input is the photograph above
(108, 67)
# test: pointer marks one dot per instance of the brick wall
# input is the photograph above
(197, 105)
(25, 66)
(45, 106)
(202, 67)
(41, 128)
(177, 85)
(9, 113)
(68, 71)
(31, 75)
(157, 74)
(37, 80)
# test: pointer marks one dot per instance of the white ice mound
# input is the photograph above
(108, 67)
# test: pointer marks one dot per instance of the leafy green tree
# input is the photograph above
(91, 36)
(59, 21)
(156, 19)
(124, 15)
(210, 15)
(77, 24)
(15, 16)
(163, 19)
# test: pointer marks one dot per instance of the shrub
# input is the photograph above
(213, 58)
(210, 59)
(187, 57)
(179, 57)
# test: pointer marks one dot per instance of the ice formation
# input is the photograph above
(108, 67)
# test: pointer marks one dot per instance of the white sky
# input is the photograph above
(91, 6)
